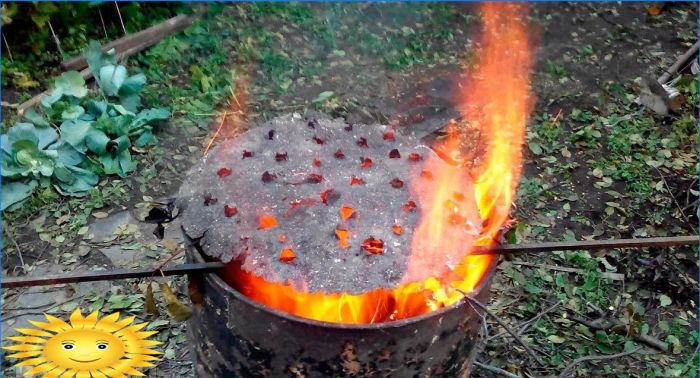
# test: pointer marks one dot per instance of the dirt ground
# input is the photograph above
(590, 168)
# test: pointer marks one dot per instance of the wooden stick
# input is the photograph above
(496, 370)
(102, 20)
(616, 326)
(121, 20)
(567, 370)
(498, 320)
(55, 39)
(124, 48)
(210, 267)
(682, 60)
(136, 42)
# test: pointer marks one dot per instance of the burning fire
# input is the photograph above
(496, 100)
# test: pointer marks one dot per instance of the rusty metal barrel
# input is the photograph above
(234, 336)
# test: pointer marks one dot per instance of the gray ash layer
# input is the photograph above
(286, 151)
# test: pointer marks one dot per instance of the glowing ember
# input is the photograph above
(396, 183)
(230, 211)
(346, 212)
(426, 175)
(373, 246)
(409, 206)
(414, 157)
(329, 196)
(281, 156)
(314, 178)
(302, 202)
(362, 142)
(389, 135)
(267, 221)
(287, 255)
(339, 154)
(281, 238)
(356, 181)
(317, 163)
(398, 230)
(342, 237)
(318, 140)
(366, 163)
(223, 172)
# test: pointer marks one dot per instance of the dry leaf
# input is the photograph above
(176, 308)
(170, 246)
(150, 301)
(100, 214)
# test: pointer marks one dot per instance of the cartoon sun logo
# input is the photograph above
(87, 347)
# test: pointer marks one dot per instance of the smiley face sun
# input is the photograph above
(87, 347)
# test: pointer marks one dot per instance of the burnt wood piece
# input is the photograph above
(118, 274)
(133, 43)
(589, 245)
(324, 189)
(234, 336)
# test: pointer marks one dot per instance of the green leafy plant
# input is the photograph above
(33, 156)
(73, 125)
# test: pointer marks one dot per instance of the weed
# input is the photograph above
(555, 69)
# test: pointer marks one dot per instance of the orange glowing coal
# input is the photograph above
(343, 236)
(267, 221)
(459, 209)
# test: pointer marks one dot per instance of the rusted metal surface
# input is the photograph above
(233, 336)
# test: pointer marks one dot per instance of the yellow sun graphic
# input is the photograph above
(87, 347)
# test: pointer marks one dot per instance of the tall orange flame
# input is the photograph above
(458, 212)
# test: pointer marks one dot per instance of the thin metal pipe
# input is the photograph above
(117, 274)
(199, 268)
(588, 245)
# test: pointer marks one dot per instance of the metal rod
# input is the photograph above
(589, 245)
(172, 270)
(209, 267)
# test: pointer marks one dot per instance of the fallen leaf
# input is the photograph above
(150, 301)
(100, 214)
(565, 152)
(556, 339)
(665, 300)
(176, 308)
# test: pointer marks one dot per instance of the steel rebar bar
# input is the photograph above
(174, 270)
